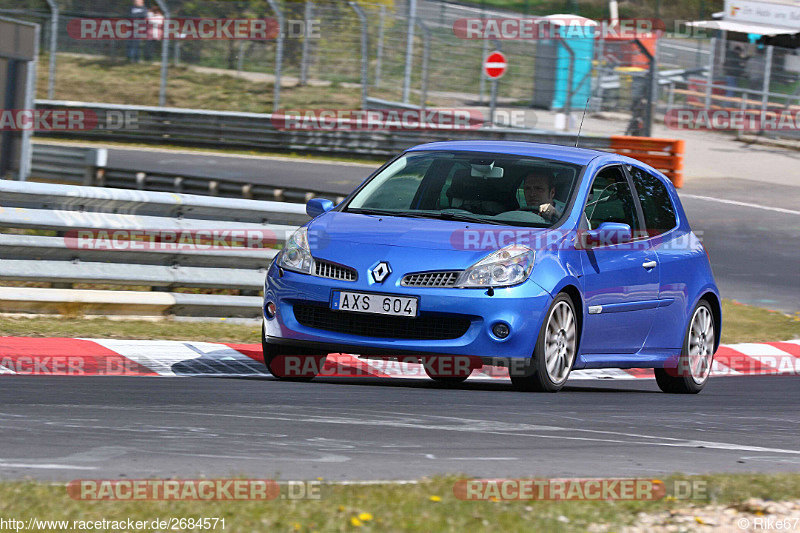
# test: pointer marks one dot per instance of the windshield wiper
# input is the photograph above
(446, 215)
(443, 215)
(386, 212)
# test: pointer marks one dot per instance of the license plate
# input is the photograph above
(378, 304)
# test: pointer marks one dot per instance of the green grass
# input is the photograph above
(99, 79)
(407, 507)
(745, 323)
(218, 331)
(741, 323)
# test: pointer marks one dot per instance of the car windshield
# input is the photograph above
(472, 187)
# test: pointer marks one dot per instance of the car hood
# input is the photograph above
(338, 229)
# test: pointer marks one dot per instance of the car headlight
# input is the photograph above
(507, 266)
(296, 255)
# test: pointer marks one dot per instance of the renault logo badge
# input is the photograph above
(381, 272)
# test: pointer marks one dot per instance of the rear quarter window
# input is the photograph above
(659, 211)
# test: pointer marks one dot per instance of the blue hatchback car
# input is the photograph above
(540, 258)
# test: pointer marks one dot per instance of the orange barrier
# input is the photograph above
(665, 155)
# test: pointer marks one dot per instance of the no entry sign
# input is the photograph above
(495, 65)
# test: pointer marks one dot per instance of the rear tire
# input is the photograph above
(274, 355)
(555, 352)
(697, 355)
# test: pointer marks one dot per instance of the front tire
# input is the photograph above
(697, 355)
(280, 363)
(447, 370)
(555, 352)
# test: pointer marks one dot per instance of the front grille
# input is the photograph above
(324, 269)
(445, 278)
(387, 327)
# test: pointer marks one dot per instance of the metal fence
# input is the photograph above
(41, 244)
(735, 76)
(371, 50)
(412, 60)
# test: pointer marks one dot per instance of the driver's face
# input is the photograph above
(536, 190)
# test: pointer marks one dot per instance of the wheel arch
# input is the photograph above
(577, 300)
(716, 313)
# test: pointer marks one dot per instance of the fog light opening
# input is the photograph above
(271, 309)
(500, 330)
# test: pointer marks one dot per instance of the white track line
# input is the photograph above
(742, 204)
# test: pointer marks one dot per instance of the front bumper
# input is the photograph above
(521, 308)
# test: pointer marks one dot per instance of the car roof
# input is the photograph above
(568, 154)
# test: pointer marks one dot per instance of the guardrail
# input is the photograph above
(89, 166)
(195, 127)
(173, 244)
(67, 163)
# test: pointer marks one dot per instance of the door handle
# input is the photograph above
(648, 265)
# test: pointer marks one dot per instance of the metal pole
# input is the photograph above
(765, 87)
(364, 52)
(176, 60)
(598, 73)
(426, 52)
(412, 16)
(162, 92)
(654, 87)
(493, 102)
(306, 45)
(51, 83)
(484, 55)
(482, 86)
(26, 152)
(710, 77)
(276, 98)
(743, 111)
(648, 121)
(240, 59)
(568, 103)
(379, 59)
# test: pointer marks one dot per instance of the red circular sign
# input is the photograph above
(495, 65)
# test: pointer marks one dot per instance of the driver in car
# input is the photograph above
(540, 191)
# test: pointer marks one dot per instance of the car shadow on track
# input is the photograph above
(607, 387)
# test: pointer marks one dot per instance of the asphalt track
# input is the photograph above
(755, 251)
(369, 429)
(62, 428)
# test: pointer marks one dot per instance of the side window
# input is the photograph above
(659, 212)
(611, 200)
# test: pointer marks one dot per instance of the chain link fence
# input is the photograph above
(323, 49)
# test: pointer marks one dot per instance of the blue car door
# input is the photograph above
(621, 281)
(673, 246)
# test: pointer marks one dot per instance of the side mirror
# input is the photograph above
(608, 233)
(317, 206)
